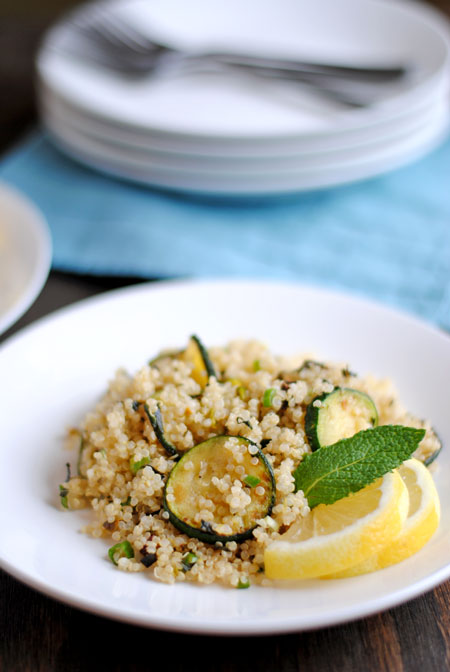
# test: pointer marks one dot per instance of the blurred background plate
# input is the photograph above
(263, 179)
(25, 255)
(228, 133)
(56, 111)
(351, 31)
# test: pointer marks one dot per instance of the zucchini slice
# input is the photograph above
(203, 499)
(158, 427)
(338, 415)
(431, 458)
(428, 453)
(197, 355)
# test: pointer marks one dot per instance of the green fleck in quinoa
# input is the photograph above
(251, 481)
(243, 583)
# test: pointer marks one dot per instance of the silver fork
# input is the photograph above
(114, 43)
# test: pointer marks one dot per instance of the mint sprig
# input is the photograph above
(333, 472)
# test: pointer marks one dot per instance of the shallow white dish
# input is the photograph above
(193, 106)
(264, 178)
(57, 114)
(223, 149)
(60, 366)
(25, 255)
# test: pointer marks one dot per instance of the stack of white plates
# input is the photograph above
(229, 133)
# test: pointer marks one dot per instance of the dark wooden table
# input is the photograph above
(38, 634)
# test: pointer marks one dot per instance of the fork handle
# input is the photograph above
(373, 74)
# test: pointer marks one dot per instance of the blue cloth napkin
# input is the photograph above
(386, 238)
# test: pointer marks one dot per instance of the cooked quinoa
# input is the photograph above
(123, 467)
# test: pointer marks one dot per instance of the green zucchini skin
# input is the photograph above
(196, 351)
(209, 366)
(429, 460)
(212, 450)
(318, 418)
(157, 424)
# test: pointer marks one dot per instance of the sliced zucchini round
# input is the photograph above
(428, 451)
(338, 415)
(431, 458)
(202, 481)
(158, 427)
(197, 355)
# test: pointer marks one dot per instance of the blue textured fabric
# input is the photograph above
(387, 238)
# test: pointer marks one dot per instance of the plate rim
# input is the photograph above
(38, 228)
(430, 138)
(228, 628)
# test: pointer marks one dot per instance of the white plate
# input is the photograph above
(309, 173)
(57, 368)
(25, 255)
(56, 112)
(50, 101)
(361, 31)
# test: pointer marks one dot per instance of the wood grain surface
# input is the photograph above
(38, 634)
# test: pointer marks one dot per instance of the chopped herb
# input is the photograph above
(252, 481)
(188, 560)
(148, 559)
(67, 472)
(80, 455)
(136, 405)
(265, 442)
(135, 466)
(127, 502)
(268, 397)
(347, 373)
(122, 550)
(256, 365)
(241, 421)
(63, 492)
(243, 583)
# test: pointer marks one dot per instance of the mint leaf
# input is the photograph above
(333, 472)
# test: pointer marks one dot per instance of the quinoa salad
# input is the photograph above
(188, 464)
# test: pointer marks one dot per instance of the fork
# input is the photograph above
(113, 42)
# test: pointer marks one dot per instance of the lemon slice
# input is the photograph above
(340, 535)
(419, 527)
